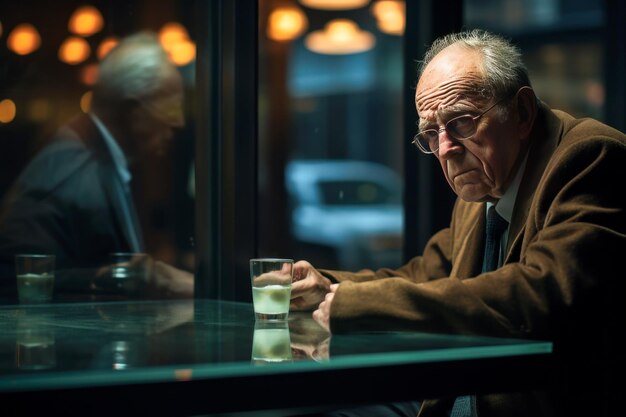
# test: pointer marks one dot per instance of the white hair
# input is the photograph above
(504, 69)
(133, 69)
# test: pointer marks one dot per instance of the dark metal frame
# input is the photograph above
(428, 200)
(615, 64)
(226, 157)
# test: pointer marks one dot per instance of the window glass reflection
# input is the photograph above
(330, 133)
(97, 138)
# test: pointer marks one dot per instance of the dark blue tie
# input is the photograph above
(465, 406)
(496, 225)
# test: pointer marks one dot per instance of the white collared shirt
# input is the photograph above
(119, 159)
(121, 167)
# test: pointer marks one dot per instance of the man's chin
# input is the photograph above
(472, 194)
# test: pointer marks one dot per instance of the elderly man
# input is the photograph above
(74, 198)
(551, 270)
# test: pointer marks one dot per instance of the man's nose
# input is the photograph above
(448, 146)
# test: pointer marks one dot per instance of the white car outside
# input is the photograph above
(352, 208)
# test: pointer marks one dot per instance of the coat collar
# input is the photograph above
(83, 129)
(543, 141)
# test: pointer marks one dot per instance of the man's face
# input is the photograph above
(158, 116)
(479, 168)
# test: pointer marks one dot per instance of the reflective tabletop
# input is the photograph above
(192, 357)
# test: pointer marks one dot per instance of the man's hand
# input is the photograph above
(322, 314)
(308, 340)
(309, 287)
(170, 282)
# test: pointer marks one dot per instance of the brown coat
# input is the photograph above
(562, 279)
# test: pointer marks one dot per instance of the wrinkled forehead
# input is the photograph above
(454, 75)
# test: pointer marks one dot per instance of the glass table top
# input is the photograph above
(61, 346)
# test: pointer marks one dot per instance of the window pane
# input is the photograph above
(330, 134)
(64, 188)
(562, 43)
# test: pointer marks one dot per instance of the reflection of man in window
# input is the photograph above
(74, 199)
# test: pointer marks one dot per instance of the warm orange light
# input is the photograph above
(106, 45)
(181, 53)
(174, 38)
(7, 111)
(89, 74)
(85, 102)
(24, 39)
(390, 16)
(334, 4)
(286, 23)
(85, 21)
(74, 50)
(183, 374)
(340, 36)
(341, 30)
(392, 26)
(172, 32)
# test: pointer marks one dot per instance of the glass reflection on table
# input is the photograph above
(271, 342)
(35, 342)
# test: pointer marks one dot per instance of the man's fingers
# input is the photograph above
(296, 303)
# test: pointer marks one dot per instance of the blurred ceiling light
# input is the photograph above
(175, 40)
(390, 16)
(24, 39)
(286, 23)
(172, 32)
(89, 74)
(74, 50)
(334, 4)
(105, 46)
(340, 36)
(7, 111)
(85, 21)
(85, 102)
(182, 52)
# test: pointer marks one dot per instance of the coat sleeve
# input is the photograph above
(57, 206)
(566, 268)
(33, 213)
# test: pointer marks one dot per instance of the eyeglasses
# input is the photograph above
(459, 128)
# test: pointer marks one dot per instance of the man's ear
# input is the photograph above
(526, 108)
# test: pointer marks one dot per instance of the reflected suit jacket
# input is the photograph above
(562, 279)
(69, 201)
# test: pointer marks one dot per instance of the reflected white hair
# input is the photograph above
(133, 69)
(504, 69)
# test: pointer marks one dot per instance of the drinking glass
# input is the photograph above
(35, 277)
(271, 287)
